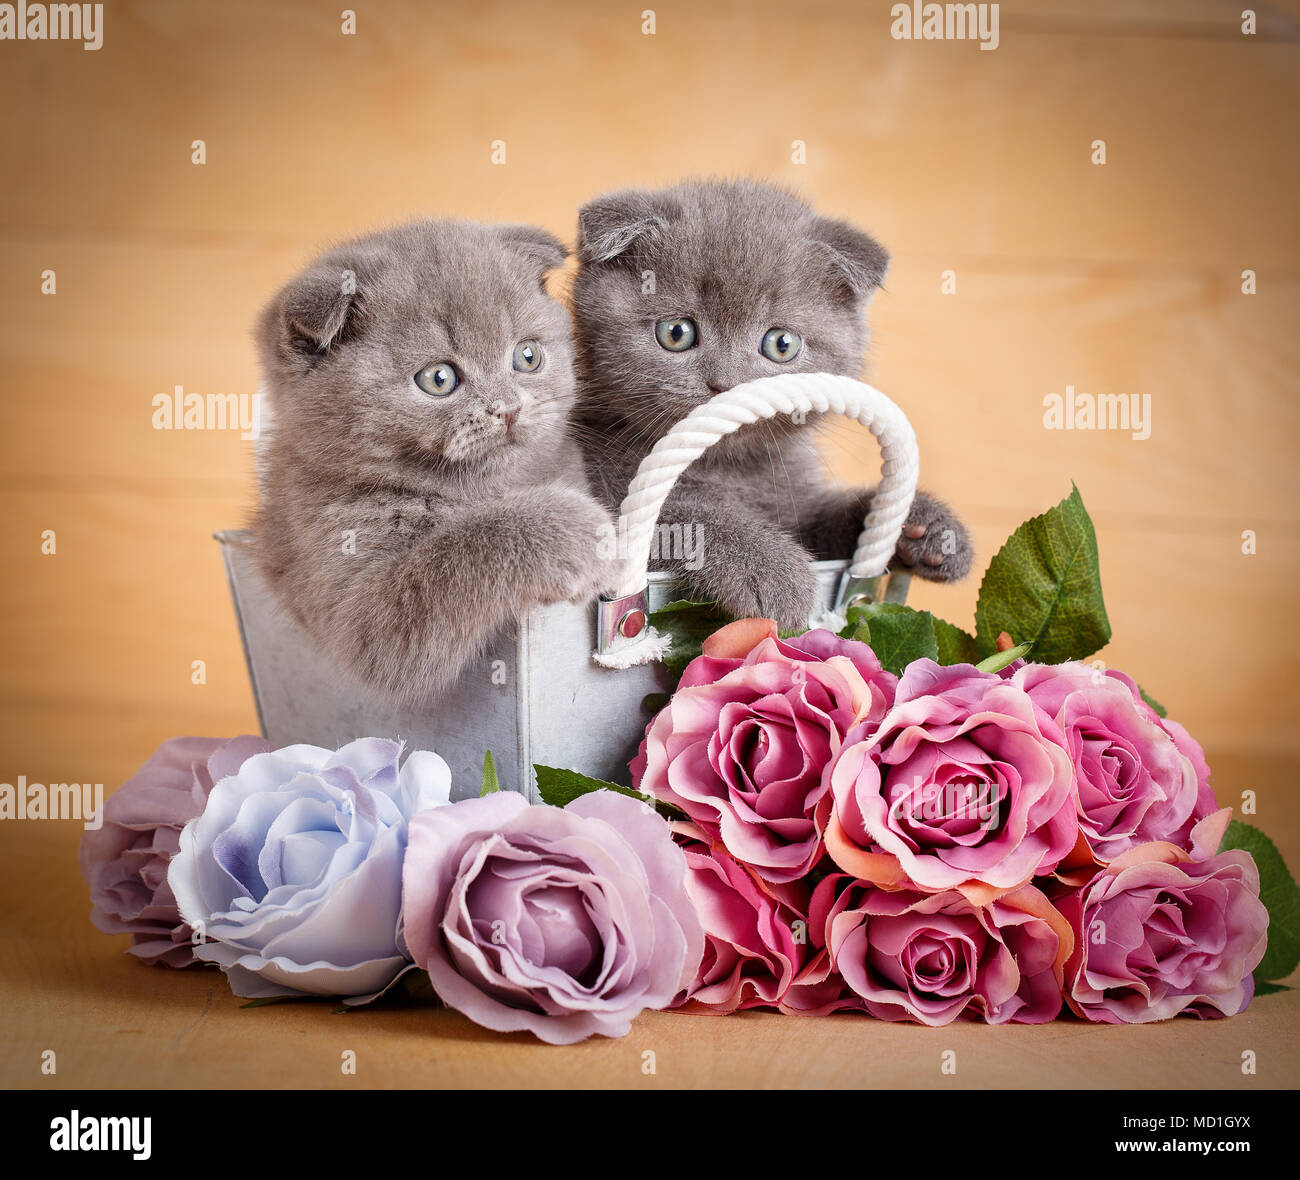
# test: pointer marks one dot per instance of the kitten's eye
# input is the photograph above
(676, 335)
(528, 356)
(439, 378)
(781, 345)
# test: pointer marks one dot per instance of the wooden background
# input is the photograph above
(1122, 278)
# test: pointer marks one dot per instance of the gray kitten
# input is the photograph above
(684, 292)
(419, 485)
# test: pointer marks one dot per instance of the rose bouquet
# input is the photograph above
(893, 817)
(962, 852)
(903, 818)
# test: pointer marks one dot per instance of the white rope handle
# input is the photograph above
(789, 393)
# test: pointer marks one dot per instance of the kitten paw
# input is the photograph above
(788, 599)
(935, 544)
(570, 534)
(772, 585)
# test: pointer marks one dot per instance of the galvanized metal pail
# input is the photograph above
(541, 694)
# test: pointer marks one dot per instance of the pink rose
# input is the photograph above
(1188, 746)
(743, 748)
(564, 922)
(1206, 801)
(966, 784)
(1135, 783)
(936, 957)
(1158, 934)
(729, 647)
(757, 949)
(125, 860)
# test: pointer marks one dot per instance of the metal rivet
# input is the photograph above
(632, 624)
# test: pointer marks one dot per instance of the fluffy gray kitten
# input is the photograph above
(687, 291)
(419, 485)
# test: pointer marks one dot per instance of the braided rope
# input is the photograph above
(789, 393)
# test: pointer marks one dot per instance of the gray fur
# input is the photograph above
(737, 257)
(462, 521)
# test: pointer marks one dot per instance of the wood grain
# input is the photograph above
(113, 1022)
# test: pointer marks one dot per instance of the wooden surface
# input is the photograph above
(1122, 278)
(113, 1022)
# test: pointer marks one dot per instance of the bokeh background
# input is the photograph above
(1122, 278)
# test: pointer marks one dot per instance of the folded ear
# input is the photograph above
(610, 227)
(539, 249)
(857, 261)
(316, 309)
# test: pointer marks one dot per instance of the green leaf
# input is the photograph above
(652, 702)
(1000, 659)
(850, 628)
(682, 606)
(1280, 895)
(560, 787)
(1161, 711)
(1264, 988)
(897, 634)
(1044, 587)
(490, 784)
(955, 646)
(690, 624)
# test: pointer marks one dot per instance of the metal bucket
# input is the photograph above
(538, 696)
(535, 698)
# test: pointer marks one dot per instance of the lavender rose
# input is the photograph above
(745, 744)
(565, 922)
(1159, 937)
(966, 784)
(935, 957)
(293, 873)
(125, 860)
(1136, 781)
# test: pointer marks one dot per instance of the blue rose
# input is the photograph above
(292, 875)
